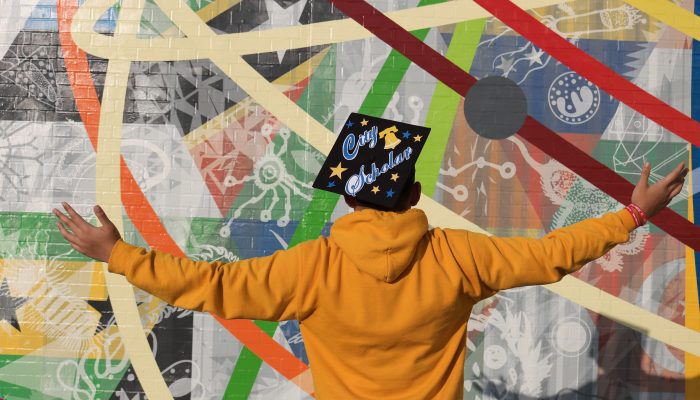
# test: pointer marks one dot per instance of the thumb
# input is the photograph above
(644, 176)
(102, 217)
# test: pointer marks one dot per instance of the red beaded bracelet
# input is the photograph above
(640, 218)
(641, 213)
(634, 216)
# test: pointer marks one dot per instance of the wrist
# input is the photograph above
(108, 252)
(639, 216)
(642, 214)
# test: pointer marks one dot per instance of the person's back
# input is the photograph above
(398, 311)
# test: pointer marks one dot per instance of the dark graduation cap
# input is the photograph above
(372, 159)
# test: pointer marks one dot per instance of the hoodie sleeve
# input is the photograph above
(266, 288)
(494, 263)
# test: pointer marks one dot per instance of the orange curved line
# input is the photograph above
(76, 62)
(247, 332)
(137, 207)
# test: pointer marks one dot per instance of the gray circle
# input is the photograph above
(495, 107)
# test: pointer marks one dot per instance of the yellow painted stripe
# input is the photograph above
(670, 14)
(85, 278)
(213, 10)
(587, 295)
(198, 46)
(627, 314)
(203, 43)
(108, 195)
(692, 306)
(209, 12)
(237, 111)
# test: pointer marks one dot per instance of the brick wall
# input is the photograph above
(216, 170)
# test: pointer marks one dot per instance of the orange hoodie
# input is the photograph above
(384, 301)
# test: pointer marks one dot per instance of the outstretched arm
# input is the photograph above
(496, 263)
(258, 288)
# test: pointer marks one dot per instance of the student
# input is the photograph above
(383, 302)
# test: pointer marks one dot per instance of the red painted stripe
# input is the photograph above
(606, 180)
(140, 211)
(405, 43)
(608, 80)
(534, 132)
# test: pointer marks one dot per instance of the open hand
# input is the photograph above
(652, 199)
(95, 242)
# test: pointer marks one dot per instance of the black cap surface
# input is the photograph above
(372, 159)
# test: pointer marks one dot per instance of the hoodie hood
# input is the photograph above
(380, 243)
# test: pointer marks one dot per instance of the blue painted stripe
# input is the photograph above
(694, 150)
(695, 172)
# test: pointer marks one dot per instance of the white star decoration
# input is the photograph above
(506, 66)
(535, 56)
(278, 16)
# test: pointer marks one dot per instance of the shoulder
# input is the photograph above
(319, 242)
(311, 248)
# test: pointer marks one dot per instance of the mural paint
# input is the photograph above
(211, 154)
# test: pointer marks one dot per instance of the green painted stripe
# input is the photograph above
(33, 236)
(443, 106)
(248, 364)
(10, 391)
(34, 377)
(389, 78)
(247, 367)
(317, 100)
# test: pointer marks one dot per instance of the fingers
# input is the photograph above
(680, 178)
(644, 175)
(677, 173)
(673, 183)
(672, 188)
(75, 217)
(70, 237)
(64, 219)
(102, 217)
(676, 190)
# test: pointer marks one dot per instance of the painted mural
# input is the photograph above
(200, 125)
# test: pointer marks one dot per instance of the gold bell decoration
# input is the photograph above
(389, 136)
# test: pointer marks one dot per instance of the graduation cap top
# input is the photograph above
(372, 159)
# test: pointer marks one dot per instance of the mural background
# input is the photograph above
(221, 131)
